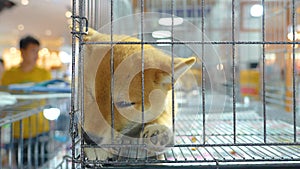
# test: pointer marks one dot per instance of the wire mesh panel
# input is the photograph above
(199, 83)
(28, 139)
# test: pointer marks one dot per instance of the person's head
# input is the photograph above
(29, 47)
(1, 65)
(1, 68)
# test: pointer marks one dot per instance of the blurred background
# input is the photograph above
(48, 21)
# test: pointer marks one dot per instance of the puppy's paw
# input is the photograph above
(98, 154)
(157, 137)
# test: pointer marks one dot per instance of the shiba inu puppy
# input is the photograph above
(128, 93)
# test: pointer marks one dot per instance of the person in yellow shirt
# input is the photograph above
(36, 125)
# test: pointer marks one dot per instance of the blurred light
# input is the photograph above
(51, 114)
(270, 58)
(24, 2)
(13, 50)
(54, 54)
(246, 101)
(65, 57)
(297, 56)
(68, 14)
(291, 30)
(161, 34)
(220, 67)
(20, 27)
(44, 52)
(195, 92)
(48, 32)
(256, 10)
(290, 36)
(168, 21)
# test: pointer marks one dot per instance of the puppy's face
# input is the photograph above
(136, 91)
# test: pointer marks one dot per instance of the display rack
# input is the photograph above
(27, 105)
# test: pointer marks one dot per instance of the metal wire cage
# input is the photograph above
(240, 110)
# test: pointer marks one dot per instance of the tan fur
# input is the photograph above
(128, 89)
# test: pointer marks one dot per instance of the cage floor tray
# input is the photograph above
(246, 140)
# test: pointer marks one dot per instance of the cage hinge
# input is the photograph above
(77, 27)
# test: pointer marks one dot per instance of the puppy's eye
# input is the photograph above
(123, 104)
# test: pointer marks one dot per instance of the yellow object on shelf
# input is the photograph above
(250, 83)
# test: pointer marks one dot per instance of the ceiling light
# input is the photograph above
(168, 21)
(20, 27)
(256, 10)
(68, 14)
(24, 2)
(167, 42)
(161, 34)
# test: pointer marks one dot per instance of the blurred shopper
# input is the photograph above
(27, 71)
(33, 131)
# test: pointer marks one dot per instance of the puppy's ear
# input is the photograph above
(181, 65)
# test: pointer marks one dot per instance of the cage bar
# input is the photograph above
(240, 134)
